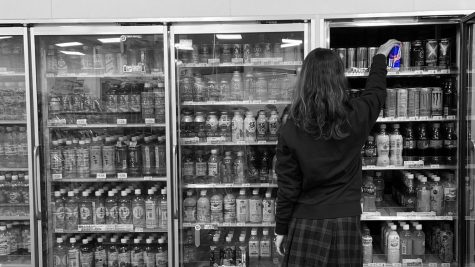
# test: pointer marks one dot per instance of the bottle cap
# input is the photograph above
(85, 193)
(371, 138)
(203, 193)
(254, 231)
(136, 240)
(382, 126)
(81, 142)
(161, 240)
(242, 192)
(69, 142)
(72, 240)
(405, 227)
(214, 151)
(71, 194)
(164, 191)
(227, 153)
(396, 126)
(394, 227)
(240, 153)
(436, 178)
(55, 143)
(100, 240)
(242, 238)
(255, 191)
(423, 179)
(265, 232)
(189, 193)
(150, 192)
(57, 194)
(148, 241)
(59, 240)
(85, 241)
(436, 125)
(123, 241)
(419, 227)
(138, 191)
(268, 194)
(14, 177)
(123, 193)
(228, 239)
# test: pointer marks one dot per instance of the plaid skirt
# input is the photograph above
(325, 242)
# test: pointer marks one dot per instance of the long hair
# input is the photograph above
(320, 101)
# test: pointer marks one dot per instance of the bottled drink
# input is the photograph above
(83, 160)
(73, 253)
(273, 178)
(149, 254)
(203, 210)
(261, 88)
(121, 154)
(418, 241)
(410, 194)
(406, 242)
(224, 125)
(268, 208)
(58, 217)
(255, 207)
(124, 209)
(23, 147)
(379, 186)
(227, 168)
(189, 207)
(148, 156)
(4, 242)
(396, 146)
(229, 207)
(274, 125)
(56, 159)
(124, 253)
(216, 252)
(138, 210)
(229, 253)
(163, 209)
(237, 125)
(449, 99)
(15, 193)
(86, 212)
(264, 169)
(60, 253)
(186, 125)
(212, 125)
(239, 167)
(112, 209)
(250, 86)
(95, 156)
(137, 254)
(274, 87)
(252, 167)
(262, 126)
(69, 155)
(100, 253)
(367, 246)
(108, 157)
(216, 207)
(86, 256)
(201, 167)
(189, 249)
(393, 245)
(133, 158)
(437, 197)
(446, 246)
(242, 207)
(410, 146)
(382, 144)
(249, 127)
(113, 253)
(160, 156)
(237, 86)
(254, 247)
(71, 212)
(265, 246)
(370, 152)
(422, 143)
(188, 166)
(200, 126)
(99, 209)
(450, 196)
(151, 216)
(435, 145)
(161, 256)
(213, 167)
(450, 145)
(369, 195)
(241, 252)
(423, 196)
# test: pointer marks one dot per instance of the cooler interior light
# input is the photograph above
(229, 36)
(109, 40)
(72, 53)
(68, 44)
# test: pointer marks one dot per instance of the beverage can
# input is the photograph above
(436, 101)
(402, 95)
(237, 51)
(371, 53)
(247, 53)
(444, 52)
(431, 50)
(257, 51)
(394, 57)
(413, 109)
(351, 57)
(342, 53)
(226, 53)
(362, 57)
(425, 102)
(406, 54)
(417, 53)
(391, 103)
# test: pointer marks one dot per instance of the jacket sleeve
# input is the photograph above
(371, 101)
(289, 180)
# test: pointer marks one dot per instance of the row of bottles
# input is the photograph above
(264, 127)
(110, 251)
(13, 146)
(82, 157)
(432, 145)
(15, 239)
(252, 165)
(14, 188)
(229, 206)
(249, 86)
(13, 104)
(141, 209)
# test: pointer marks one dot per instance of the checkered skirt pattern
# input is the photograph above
(325, 242)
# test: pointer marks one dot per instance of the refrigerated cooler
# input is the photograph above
(101, 110)
(231, 85)
(17, 235)
(423, 180)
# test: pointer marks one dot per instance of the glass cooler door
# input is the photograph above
(232, 86)
(17, 240)
(102, 115)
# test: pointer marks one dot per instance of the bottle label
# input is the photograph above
(124, 259)
(213, 169)
(190, 214)
(56, 162)
(100, 258)
(188, 168)
(253, 249)
(450, 143)
(100, 213)
(163, 214)
(150, 214)
(268, 209)
(435, 144)
(242, 210)
(265, 249)
(4, 247)
(85, 213)
(201, 168)
(450, 193)
(113, 259)
(138, 213)
(422, 144)
(161, 259)
(112, 214)
(59, 260)
(137, 259)
(86, 259)
(255, 210)
(229, 209)
(124, 214)
(149, 259)
(73, 257)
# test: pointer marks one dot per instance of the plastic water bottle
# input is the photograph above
(395, 147)
(100, 253)
(71, 212)
(10, 148)
(268, 208)
(229, 207)
(113, 253)
(423, 196)
(203, 210)
(216, 207)
(82, 157)
(108, 157)
(382, 144)
(99, 209)
(133, 159)
(254, 247)
(69, 156)
(241, 252)
(86, 255)
(369, 195)
(125, 209)
(138, 210)
(437, 197)
(60, 254)
(149, 254)
(15, 193)
(161, 257)
(163, 209)
(95, 156)
(240, 168)
(73, 253)
(213, 167)
(124, 253)
(367, 246)
(136, 254)
(23, 146)
(406, 242)
(86, 210)
(393, 245)
(265, 246)
(151, 216)
(450, 196)
(255, 207)
(3, 144)
(229, 253)
(242, 207)
(216, 252)
(446, 245)
(418, 241)
(112, 209)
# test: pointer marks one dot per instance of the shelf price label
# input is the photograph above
(149, 120)
(246, 185)
(138, 230)
(57, 176)
(451, 117)
(228, 185)
(261, 142)
(240, 224)
(240, 142)
(411, 262)
(445, 264)
(101, 176)
(121, 121)
(81, 122)
(122, 175)
(435, 166)
(432, 264)
(147, 178)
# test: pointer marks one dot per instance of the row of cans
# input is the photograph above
(228, 53)
(414, 102)
(418, 53)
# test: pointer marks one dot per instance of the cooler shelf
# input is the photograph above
(15, 218)
(210, 226)
(228, 103)
(193, 142)
(12, 74)
(418, 119)
(13, 169)
(403, 73)
(104, 125)
(112, 179)
(258, 63)
(204, 186)
(110, 228)
(92, 75)
(13, 122)
(425, 167)
(428, 260)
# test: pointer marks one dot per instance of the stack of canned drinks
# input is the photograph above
(429, 53)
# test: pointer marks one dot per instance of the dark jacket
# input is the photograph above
(320, 179)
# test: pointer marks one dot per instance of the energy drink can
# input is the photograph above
(391, 103)
(371, 53)
(425, 102)
(351, 57)
(413, 109)
(362, 57)
(417, 53)
(406, 55)
(444, 53)
(402, 96)
(436, 102)
(342, 53)
(394, 57)
(431, 52)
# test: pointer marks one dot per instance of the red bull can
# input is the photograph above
(394, 57)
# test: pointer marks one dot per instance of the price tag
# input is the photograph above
(209, 227)
(237, 60)
(445, 264)
(371, 264)
(412, 262)
(435, 166)
(265, 184)
(81, 122)
(240, 224)
(213, 61)
(391, 166)
(379, 264)
(272, 101)
(228, 185)
(241, 142)
(109, 227)
(261, 142)
(266, 224)
(370, 167)
(246, 185)
(437, 117)
(397, 264)
(121, 121)
(147, 178)
(49, 75)
(59, 231)
(432, 264)
(62, 121)
(418, 72)
(101, 176)
(122, 175)
(57, 176)
(150, 121)
(451, 117)
(139, 230)
(256, 101)
(226, 224)
(423, 118)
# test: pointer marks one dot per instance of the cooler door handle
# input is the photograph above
(36, 182)
(175, 182)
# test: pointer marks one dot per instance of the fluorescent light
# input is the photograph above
(109, 40)
(289, 45)
(229, 36)
(74, 53)
(183, 47)
(291, 41)
(5, 37)
(68, 44)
